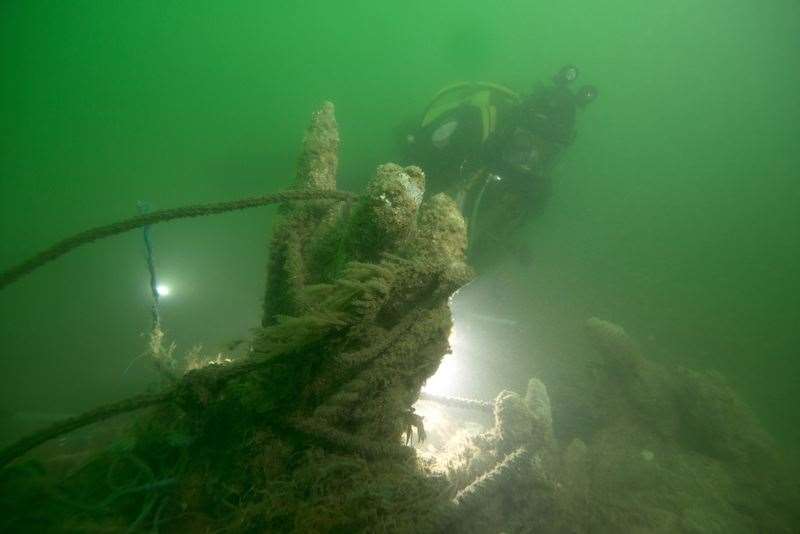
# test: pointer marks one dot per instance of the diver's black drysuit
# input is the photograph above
(493, 151)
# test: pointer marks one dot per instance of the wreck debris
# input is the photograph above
(671, 450)
(306, 433)
(356, 318)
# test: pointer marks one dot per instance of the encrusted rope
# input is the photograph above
(459, 402)
(349, 442)
(183, 392)
(21, 446)
(64, 246)
(488, 483)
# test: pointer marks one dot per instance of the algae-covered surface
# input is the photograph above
(383, 352)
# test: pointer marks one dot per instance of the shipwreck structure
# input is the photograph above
(305, 432)
(313, 430)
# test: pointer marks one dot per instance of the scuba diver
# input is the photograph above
(492, 150)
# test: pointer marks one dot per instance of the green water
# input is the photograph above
(675, 213)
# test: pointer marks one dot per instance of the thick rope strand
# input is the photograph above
(64, 246)
(208, 377)
(21, 446)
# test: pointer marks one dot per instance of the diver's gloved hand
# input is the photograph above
(568, 74)
(585, 95)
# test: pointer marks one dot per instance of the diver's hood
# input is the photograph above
(566, 75)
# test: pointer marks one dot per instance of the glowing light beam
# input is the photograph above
(163, 290)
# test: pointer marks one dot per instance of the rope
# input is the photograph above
(458, 402)
(474, 495)
(64, 246)
(183, 391)
(473, 220)
(21, 446)
(144, 208)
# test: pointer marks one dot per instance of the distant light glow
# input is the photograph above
(446, 431)
(163, 290)
(441, 383)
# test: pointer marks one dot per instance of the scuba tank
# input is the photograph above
(449, 142)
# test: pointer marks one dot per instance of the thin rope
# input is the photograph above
(473, 220)
(144, 208)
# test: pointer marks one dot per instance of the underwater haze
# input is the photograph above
(675, 213)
